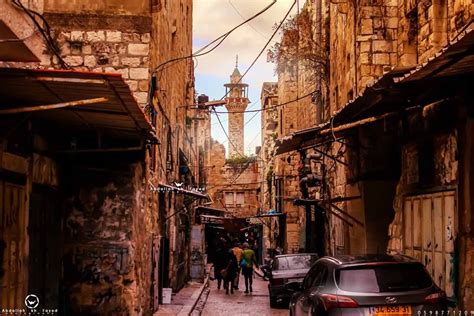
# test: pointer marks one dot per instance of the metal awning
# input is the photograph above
(211, 210)
(172, 188)
(396, 91)
(298, 139)
(74, 100)
(456, 58)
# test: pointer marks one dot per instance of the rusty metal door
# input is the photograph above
(13, 221)
(429, 230)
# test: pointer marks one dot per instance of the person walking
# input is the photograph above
(220, 262)
(230, 272)
(247, 263)
(238, 255)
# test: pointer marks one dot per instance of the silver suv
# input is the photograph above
(367, 285)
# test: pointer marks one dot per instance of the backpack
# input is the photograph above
(243, 263)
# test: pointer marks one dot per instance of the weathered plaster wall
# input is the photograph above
(107, 245)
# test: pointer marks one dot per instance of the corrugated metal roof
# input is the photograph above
(121, 114)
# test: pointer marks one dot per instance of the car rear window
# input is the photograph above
(294, 262)
(383, 278)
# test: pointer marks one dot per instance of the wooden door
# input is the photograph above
(13, 221)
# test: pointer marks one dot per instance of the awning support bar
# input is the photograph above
(52, 106)
(347, 214)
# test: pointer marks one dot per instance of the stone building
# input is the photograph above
(95, 222)
(388, 154)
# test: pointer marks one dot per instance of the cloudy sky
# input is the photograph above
(212, 18)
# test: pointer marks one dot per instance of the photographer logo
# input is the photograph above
(31, 301)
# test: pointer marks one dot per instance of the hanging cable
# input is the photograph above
(45, 33)
(246, 72)
(219, 40)
(270, 108)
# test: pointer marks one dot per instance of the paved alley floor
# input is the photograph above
(182, 302)
(240, 304)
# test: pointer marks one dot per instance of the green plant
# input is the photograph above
(240, 160)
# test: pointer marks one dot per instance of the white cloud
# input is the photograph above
(213, 18)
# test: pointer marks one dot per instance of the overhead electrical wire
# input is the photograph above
(244, 18)
(219, 40)
(246, 72)
(272, 107)
(46, 33)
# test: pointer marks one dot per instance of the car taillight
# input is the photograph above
(278, 281)
(435, 298)
(337, 301)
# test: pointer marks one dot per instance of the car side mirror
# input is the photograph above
(294, 286)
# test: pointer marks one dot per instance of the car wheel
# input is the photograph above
(273, 302)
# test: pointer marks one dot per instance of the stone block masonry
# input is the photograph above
(111, 51)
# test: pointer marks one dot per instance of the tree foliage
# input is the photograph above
(299, 45)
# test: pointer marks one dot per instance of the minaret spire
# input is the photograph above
(236, 103)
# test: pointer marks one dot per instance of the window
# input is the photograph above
(279, 195)
(315, 276)
(234, 198)
(229, 198)
(384, 278)
(294, 262)
(239, 198)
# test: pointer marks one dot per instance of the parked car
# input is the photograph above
(366, 285)
(285, 269)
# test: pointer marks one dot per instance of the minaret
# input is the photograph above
(236, 101)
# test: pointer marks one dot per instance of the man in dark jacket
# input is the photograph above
(231, 272)
(220, 262)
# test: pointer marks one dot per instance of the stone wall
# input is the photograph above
(171, 37)
(108, 50)
(132, 38)
(233, 177)
(269, 132)
(107, 244)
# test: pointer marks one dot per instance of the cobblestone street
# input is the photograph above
(240, 304)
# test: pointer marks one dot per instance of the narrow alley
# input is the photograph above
(325, 144)
(240, 304)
